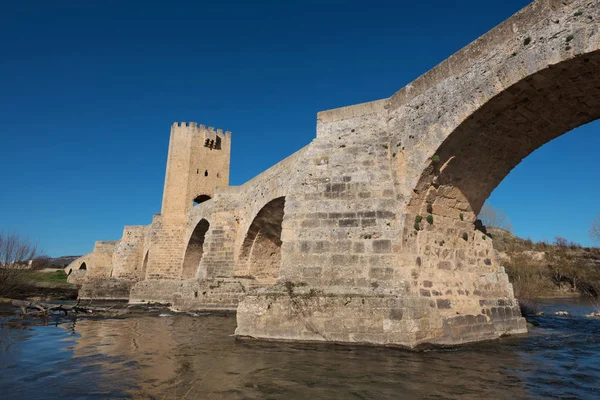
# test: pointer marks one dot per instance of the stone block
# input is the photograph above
(382, 246)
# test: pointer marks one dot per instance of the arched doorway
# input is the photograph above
(260, 255)
(201, 199)
(83, 266)
(195, 250)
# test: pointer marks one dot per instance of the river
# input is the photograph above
(187, 356)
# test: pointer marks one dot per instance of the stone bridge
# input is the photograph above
(369, 233)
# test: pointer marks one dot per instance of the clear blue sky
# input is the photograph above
(89, 89)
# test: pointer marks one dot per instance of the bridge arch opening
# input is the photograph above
(480, 152)
(201, 199)
(194, 250)
(260, 255)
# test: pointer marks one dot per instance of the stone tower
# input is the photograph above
(198, 161)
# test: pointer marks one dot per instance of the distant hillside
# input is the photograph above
(63, 260)
(540, 269)
(57, 262)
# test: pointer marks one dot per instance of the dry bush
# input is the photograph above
(15, 253)
(561, 241)
(530, 279)
(571, 266)
(592, 292)
(494, 217)
(528, 307)
(41, 262)
(12, 279)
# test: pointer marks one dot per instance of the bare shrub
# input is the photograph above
(528, 307)
(561, 241)
(530, 280)
(494, 218)
(592, 292)
(15, 254)
(41, 262)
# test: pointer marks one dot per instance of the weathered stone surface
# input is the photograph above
(105, 289)
(358, 316)
(209, 295)
(377, 214)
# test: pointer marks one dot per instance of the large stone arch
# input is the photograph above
(194, 250)
(532, 97)
(253, 199)
(260, 252)
(524, 83)
(480, 152)
(462, 127)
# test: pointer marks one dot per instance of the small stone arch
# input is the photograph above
(260, 255)
(80, 264)
(201, 199)
(195, 250)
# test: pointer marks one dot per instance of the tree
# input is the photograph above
(15, 254)
(561, 241)
(493, 217)
(595, 229)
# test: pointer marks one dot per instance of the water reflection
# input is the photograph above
(195, 358)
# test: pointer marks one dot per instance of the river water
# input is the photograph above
(195, 357)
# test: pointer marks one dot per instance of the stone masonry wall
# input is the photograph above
(129, 252)
(340, 225)
(101, 266)
(167, 248)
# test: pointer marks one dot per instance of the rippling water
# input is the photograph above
(194, 357)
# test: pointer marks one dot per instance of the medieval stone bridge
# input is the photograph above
(368, 233)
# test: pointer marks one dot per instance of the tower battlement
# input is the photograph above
(212, 138)
(194, 126)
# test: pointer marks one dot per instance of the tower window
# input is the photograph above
(206, 173)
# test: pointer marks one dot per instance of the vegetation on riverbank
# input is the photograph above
(541, 269)
(23, 274)
(58, 278)
(25, 283)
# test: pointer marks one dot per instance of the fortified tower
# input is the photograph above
(198, 161)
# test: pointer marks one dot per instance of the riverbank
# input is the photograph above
(548, 270)
(42, 285)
